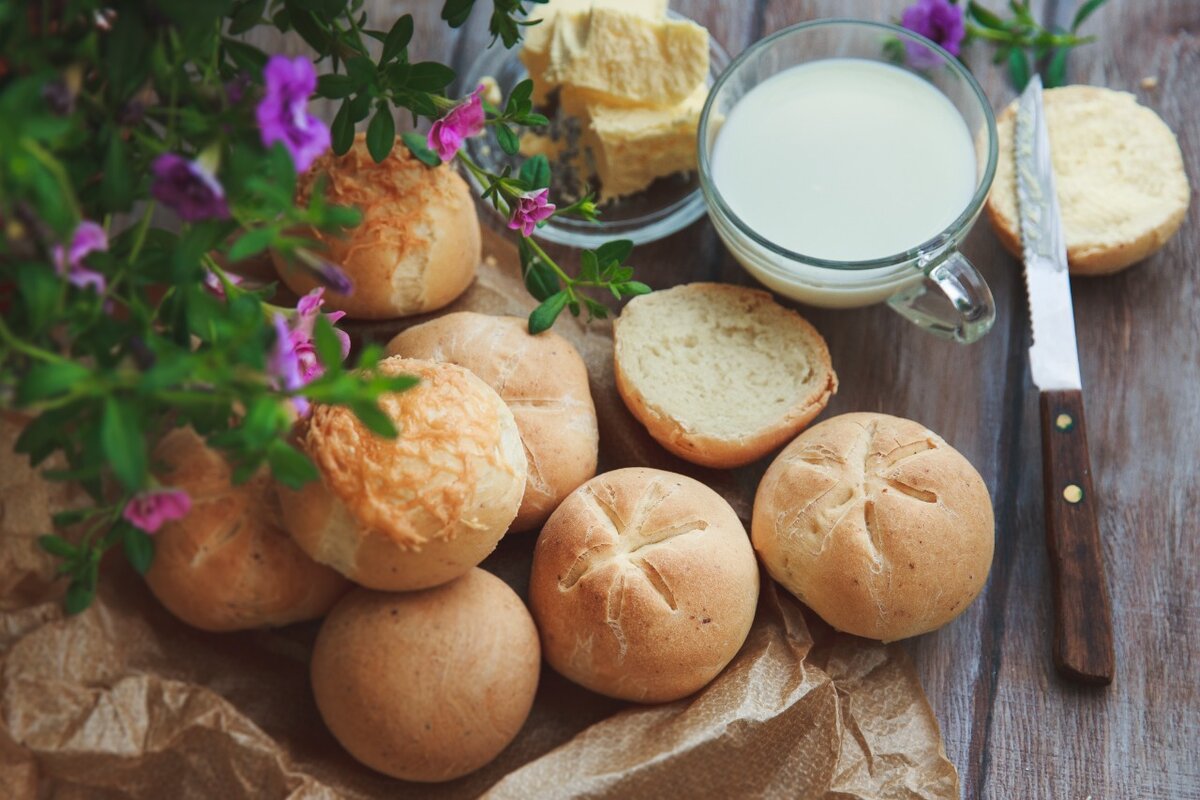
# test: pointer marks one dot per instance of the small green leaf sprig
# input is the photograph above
(1021, 42)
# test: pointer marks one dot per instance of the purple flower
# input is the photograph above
(283, 112)
(284, 364)
(87, 238)
(328, 273)
(189, 188)
(235, 89)
(939, 20)
(293, 360)
(214, 284)
(464, 120)
(531, 208)
(150, 510)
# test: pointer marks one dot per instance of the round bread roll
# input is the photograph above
(545, 384)
(720, 375)
(420, 509)
(1118, 173)
(229, 565)
(876, 524)
(418, 245)
(644, 585)
(427, 686)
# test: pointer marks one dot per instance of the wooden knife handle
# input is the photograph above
(1083, 635)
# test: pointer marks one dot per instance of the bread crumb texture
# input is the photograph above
(1118, 172)
(458, 453)
(877, 524)
(721, 362)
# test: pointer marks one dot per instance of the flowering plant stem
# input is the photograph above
(145, 156)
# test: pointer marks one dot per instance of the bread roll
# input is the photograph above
(644, 585)
(418, 245)
(420, 509)
(876, 524)
(720, 375)
(427, 686)
(1118, 173)
(229, 565)
(545, 384)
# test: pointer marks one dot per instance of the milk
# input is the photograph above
(843, 159)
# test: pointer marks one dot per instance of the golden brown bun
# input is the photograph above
(644, 585)
(420, 509)
(1118, 173)
(229, 565)
(418, 245)
(876, 524)
(720, 375)
(427, 686)
(545, 384)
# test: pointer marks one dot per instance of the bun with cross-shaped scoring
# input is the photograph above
(644, 585)
(876, 524)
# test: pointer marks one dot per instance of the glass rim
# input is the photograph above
(713, 195)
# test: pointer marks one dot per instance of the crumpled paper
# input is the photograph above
(125, 701)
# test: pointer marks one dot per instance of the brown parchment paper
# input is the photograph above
(125, 701)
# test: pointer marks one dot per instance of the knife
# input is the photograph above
(1083, 636)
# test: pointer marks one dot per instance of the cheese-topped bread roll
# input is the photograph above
(545, 384)
(420, 509)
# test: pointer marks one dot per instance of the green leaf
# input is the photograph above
(329, 347)
(374, 418)
(79, 597)
(534, 120)
(397, 38)
(985, 17)
(633, 288)
(342, 129)
(139, 548)
(251, 243)
(589, 266)
(123, 444)
(57, 546)
(116, 187)
(617, 250)
(247, 57)
(1085, 11)
(596, 309)
(1018, 68)
(247, 15)
(361, 71)
(381, 133)
(542, 318)
(455, 12)
(360, 107)
(46, 380)
(508, 139)
(40, 289)
(415, 143)
(289, 466)
(335, 87)
(540, 280)
(520, 97)
(1056, 70)
(536, 172)
(429, 76)
(310, 30)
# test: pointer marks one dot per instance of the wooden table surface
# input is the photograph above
(1012, 727)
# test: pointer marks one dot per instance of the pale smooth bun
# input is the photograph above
(876, 524)
(1118, 172)
(720, 375)
(644, 585)
(418, 245)
(427, 686)
(545, 384)
(420, 509)
(229, 565)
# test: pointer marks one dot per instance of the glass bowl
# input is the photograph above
(666, 206)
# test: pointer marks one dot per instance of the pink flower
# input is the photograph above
(939, 20)
(293, 359)
(214, 285)
(461, 122)
(283, 115)
(151, 509)
(531, 208)
(87, 239)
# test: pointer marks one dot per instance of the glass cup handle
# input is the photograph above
(952, 301)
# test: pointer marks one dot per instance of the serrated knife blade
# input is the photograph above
(1054, 355)
(1083, 632)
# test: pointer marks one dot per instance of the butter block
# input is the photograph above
(630, 147)
(535, 46)
(620, 59)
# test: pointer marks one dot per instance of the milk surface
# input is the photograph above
(845, 159)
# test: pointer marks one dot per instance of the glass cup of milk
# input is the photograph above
(844, 161)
